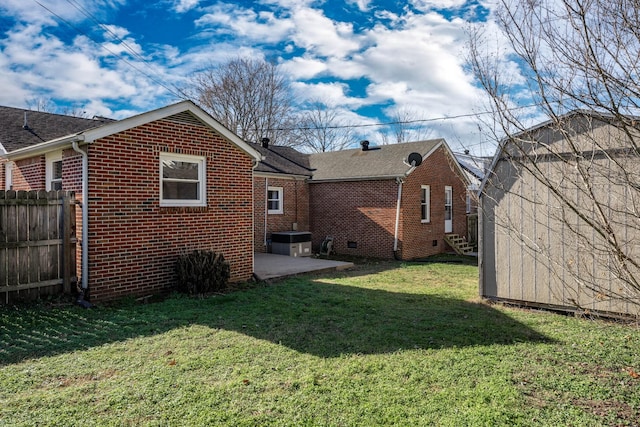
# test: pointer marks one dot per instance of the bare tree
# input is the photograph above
(47, 105)
(573, 184)
(407, 125)
(321, 129)
(251, 97)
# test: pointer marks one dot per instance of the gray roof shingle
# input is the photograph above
(283, 160)
(41, 127)
(386, 161)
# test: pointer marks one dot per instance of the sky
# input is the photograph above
(367, 59)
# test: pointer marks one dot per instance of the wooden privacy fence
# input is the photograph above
(37, 243)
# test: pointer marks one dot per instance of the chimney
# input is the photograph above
(466, 152)
(365, 145)
(265, 142)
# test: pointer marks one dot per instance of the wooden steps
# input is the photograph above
(459, 244)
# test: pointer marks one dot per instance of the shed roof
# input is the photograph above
(383, 162)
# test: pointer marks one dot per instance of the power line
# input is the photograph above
(80, 31)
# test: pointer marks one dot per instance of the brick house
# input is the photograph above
(371, 201)
(151, 186)
(374, 203)
(280, 192)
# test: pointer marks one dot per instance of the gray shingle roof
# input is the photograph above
(386, 161)
(40, 127)
(283, 160)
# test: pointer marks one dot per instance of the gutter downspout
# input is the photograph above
(266, 210)
(85, 215)
(395, 234)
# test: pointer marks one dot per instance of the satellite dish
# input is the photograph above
(414, 159)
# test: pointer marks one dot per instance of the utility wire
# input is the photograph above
(70, 25)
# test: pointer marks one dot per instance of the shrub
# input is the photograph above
(201, 272)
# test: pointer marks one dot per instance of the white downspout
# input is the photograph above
(395, 234)
(85, 214)
(266, 210)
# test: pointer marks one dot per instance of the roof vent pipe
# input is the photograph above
(365, 145)
(25, 125)
(265, 142)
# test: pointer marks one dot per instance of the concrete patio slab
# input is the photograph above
(271, 266)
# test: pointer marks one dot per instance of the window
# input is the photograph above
(468, 204)
(53, 170)
(274, 200)
(8, 176)
(182, 180)
(425, 203)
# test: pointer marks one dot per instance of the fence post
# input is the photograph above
(66, 243)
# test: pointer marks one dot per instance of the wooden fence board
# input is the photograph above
(37, 243)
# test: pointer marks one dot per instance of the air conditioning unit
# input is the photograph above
(292, 243)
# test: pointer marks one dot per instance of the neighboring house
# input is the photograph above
(475, 168)
(373, 202)
(280, 193)
(151, 186)
(559, 217)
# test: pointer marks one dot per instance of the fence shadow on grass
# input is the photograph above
(313, 317)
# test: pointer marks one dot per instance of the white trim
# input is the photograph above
(280, 199)
(8, 175)
(427, 203)
(94, 134)
(50, 159)
(202, 180)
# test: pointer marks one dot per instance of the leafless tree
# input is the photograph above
(321, 129)
(573, 184)
(47, 105)
(251, 97)
(407, 125)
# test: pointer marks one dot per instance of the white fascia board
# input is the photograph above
(92, 135)
(2, 150)
(45, 147)
(359, 178)
(280, 176)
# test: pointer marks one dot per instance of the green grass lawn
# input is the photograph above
(383, 344)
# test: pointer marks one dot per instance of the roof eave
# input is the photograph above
(280, 175)
(44, 147)
(357, 178)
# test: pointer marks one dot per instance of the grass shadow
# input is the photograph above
(310, 316)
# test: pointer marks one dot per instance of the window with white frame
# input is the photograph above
(468, 201)
(53, 171)
(425, 203)
(182, 180)
(274, 200)
(8, 176)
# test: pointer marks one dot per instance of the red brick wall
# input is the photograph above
(364, 212)
(133, 241)
(296, 208)
(29, 174)
(361, 212)
(437, 171)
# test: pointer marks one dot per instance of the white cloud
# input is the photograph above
(332, 94)
(182, 6)
(245, 23)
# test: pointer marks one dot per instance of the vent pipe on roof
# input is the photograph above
(265, 142)
(25, 125)
(365, 145)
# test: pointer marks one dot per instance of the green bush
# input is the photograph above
(201, 272)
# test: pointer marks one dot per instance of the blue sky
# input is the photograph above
(368, 59)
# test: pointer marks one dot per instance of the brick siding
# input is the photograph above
(363, 213)
(133, 242)
(295, 209)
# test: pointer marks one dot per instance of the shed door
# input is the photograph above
(448, 209)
